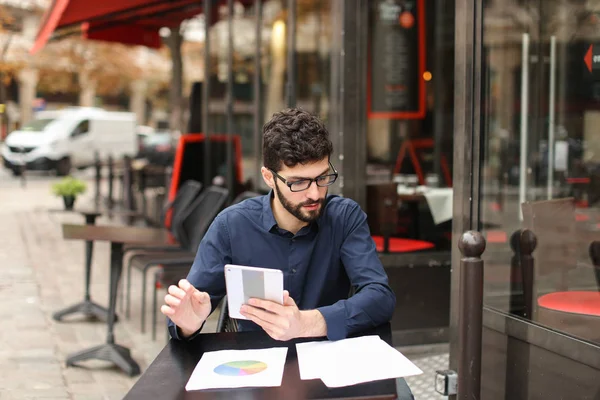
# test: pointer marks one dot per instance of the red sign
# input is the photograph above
(396, 61)
(588, 57)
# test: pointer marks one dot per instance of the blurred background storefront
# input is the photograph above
(446, 116)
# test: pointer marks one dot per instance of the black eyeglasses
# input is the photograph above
(303, 184)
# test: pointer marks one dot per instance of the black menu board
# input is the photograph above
(396, 85)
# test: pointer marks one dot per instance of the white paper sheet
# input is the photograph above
(439, 201)
(352, 361)
(310, 358)
(239, 368)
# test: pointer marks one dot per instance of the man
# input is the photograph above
(321, 243)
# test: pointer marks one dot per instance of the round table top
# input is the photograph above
(576, 302)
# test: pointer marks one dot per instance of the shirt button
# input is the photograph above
(293, 270)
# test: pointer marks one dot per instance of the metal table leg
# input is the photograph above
(87, 307)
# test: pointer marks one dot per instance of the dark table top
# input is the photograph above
(78, 210)
(98, 210)
(168, 374)
(119, 234)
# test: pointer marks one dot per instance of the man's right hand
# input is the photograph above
(187, 307)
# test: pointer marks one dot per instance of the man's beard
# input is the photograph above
(296, 210)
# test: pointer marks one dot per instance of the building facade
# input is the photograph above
(447, 116)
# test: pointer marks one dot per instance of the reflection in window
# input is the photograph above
(410, 117)
(541, 164)
(313, 56)
(244, 41)
(274, 60)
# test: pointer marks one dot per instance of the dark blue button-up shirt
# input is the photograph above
(320, 263)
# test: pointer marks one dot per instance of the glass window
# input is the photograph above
(541, 162)
(274, 57)
(313, 56)
(37, 125)
(81, 129)
(243, 20)
(410, 117)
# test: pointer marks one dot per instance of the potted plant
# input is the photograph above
(69, 188)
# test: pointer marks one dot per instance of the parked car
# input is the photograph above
(142, 132)
(158, 148)
(63, 139)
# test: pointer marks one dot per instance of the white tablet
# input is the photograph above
(244, 283)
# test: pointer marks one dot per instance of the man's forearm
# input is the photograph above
(313, 324)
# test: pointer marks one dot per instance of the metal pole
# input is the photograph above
(258, 113)
(471, 246)
(594, 252)
(98, 168)
(127, 197)
(439, 126)
(527, 244)
(23, 167)
(524, 120)
(291, 54)
(111, 176)
(229, 98)
(206, 92)
(551, 112)
(522, 242)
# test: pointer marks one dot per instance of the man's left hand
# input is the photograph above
(284, 322)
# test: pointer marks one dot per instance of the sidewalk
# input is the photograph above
(43, 273)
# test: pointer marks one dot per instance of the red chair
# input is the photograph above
(382, 203)
(400, 245)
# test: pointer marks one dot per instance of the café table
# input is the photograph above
(168, 374)
(118, 236)
(87, 307)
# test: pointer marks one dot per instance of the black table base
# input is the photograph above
(110, 351)
(119, 355)
(88, 308)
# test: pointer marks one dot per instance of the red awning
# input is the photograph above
(125, 34)
(125, 21)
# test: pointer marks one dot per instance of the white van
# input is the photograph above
(70, 137)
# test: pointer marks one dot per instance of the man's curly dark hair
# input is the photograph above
(294, 136)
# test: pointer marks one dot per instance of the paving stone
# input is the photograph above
(77, 376)
(42, 393)
(88, 396)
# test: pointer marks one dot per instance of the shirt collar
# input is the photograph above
(268, 218)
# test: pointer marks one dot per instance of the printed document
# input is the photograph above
(352, 361)
(239, 368)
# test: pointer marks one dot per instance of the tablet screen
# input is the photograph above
(254, 284)
(244, 283)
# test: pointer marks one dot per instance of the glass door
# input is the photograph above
(538, 202)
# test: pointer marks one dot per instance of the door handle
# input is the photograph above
(551, 111)
(524, 121)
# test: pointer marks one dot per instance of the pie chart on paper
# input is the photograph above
(240, 368)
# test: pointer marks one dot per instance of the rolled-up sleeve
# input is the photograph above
(207, 273)
(374, 301)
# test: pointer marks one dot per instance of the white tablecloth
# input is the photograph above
(439, 201)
